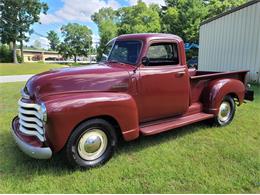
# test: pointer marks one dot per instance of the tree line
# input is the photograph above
(77, 41)
(180, 17)
(17, 17)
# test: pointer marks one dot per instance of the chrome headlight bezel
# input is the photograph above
(24, 93)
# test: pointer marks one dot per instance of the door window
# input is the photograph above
(160, 54)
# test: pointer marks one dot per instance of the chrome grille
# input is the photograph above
(31, 120)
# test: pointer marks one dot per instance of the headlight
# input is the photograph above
(44, 112)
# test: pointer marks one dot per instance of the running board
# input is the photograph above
(155, 127)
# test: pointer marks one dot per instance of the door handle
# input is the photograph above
(181, 73)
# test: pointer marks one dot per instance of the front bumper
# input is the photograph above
(33, 151)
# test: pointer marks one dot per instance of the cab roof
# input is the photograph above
(149, 36)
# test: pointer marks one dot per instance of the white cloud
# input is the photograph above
(77, 10)
(160, 2)
(44, 42)
(95, 40)
(50, 18)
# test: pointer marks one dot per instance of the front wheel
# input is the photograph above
(91, 144)
(226, 112)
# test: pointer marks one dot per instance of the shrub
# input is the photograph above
(6, 54)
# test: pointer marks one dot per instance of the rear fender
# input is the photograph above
(217, 89)
(65, 112)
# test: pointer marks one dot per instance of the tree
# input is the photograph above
(216, 7)
(139, 18)
(183, 17)
(5, 53)
(54, 40)
(77, 40)
(180, 17)
(135, 19)
(105, 19)
(17, 16)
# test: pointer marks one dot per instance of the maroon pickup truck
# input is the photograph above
(143, 87)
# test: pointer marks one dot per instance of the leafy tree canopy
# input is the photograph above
(17, 16)
(54, 40)
(216, 7)
(139, 18)
(77, 40)
(105, 19)
(180, 17)
(134, 19)
(183, 17)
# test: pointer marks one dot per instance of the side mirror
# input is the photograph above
(145, 61)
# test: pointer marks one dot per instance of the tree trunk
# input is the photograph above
(21, 49)
(11, 45)
(75, 58)
(14, 53)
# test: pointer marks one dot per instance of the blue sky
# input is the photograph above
(64, 11)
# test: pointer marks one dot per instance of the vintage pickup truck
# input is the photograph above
(143, 87)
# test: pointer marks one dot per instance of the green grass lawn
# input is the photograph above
(194, 159)
(26, 68)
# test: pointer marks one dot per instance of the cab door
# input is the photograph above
(163, 83)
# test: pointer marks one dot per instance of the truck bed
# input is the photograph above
(195, 74)
(200, 79)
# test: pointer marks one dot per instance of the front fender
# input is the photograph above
(66, 111)
(218, 89)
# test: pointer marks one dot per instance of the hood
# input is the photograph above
(100, 77)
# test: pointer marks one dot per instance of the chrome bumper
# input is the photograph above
(32, 151)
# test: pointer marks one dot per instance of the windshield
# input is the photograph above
(107, 50)
(125, 52)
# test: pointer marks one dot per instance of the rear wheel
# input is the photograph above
(91, 144)
(226, 112)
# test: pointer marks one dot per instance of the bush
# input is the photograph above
(6, 54)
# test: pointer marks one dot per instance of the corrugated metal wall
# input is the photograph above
(232, 42)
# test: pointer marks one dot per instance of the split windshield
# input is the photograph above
(125, 52)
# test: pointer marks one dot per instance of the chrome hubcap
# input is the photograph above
(92, 144)
(224, 111)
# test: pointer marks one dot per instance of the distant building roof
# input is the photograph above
(39, 51)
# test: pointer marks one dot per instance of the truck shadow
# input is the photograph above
(58, 166)
(157, 139)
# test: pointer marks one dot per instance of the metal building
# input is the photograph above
(231, 41)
